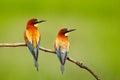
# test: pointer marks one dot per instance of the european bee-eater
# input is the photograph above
(32, 38)
(61, 46)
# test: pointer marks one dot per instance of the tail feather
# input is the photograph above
(36, 65)
(62, 68)
(35, 52)
(62, 56)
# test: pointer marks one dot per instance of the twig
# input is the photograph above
(80, 64)
(12, 44)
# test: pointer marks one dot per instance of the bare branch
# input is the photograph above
(12, 44)
(80, 64)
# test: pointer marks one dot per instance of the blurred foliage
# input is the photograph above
(96, 42)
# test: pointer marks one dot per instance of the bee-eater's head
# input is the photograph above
(65, 32)
(34, 22)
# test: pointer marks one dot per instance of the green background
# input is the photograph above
(96, 42)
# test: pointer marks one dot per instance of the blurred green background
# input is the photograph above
(96, 42)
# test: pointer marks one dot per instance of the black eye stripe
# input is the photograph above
(38, 21)
(66, 31)
(35, 22)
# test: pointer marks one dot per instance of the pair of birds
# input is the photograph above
(32, 39)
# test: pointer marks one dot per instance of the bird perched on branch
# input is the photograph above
(32, 38)
(61, 46)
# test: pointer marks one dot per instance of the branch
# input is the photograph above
(80, 64)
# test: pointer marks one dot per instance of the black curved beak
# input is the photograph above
(70, 30)
(40, 21)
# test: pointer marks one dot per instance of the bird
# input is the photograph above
(32, 38)
(61, 45)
